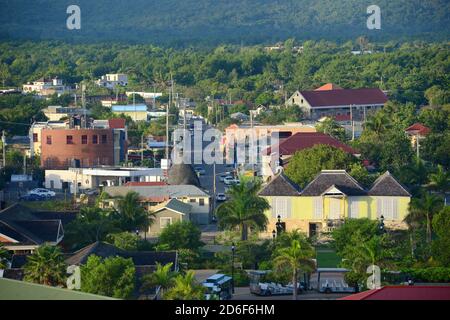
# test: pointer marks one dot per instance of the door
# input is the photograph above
(312, 229)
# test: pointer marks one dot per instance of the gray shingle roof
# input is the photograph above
(172, 191)
(387, 185)
(338, 178)
(177, 206)
(281, 185)
(183, 174)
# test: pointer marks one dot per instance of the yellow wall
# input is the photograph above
(302, 211)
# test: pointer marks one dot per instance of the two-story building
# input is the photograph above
(330, 198)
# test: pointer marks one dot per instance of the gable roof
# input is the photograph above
(418, 128)
(403, 293)
(328, 86)
(105, 250)
(387, 185)
(345, 97)
(158, 192)
(340, 179)
(305, 140)
(281, 186)
(27, 228)
(176, 206)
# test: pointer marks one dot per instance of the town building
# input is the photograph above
(23, 230)
(280, 154)
(137, 112)
(330, 198)
(167, 213)
(79, 142)
(264, 136)
(46, 87)
(152, 196)
(333, 101)
(92, 178)
(112, 80)
(416, 133)
(56, 113)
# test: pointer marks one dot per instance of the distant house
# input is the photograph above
(152, 196)
(331, 100)
(112, 80)
(279, 155)
(167, 213)
(137, 112)
(239, 116)
(46, 87)
(331, 197)
(56, 113)
(417, 132)
(23, 230)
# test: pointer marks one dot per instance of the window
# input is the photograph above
(104, 139)
(94, 139)
(35, 137)
(49, 139)
(69, 139)
(201, 202)
(388, 207)
(84, 139)
(281, 207)
(192, 200)
(335, 208)
(164, 222)
(354, 209)
(318, 208)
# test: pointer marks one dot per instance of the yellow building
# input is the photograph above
(332, 197)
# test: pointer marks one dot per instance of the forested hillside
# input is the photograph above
(210, 22)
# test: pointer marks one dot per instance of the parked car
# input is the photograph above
(230, 181)
(222, 176)
(43, 192)
(32, 197)
(221, 197)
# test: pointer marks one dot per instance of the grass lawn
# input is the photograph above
(327, 258)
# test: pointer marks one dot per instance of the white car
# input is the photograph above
(222, 176)
(43, 192)
(230, 181)
(221, 197)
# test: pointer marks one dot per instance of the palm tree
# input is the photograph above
(185, 288)
(4, 256)
(244, 209)
(378, 123)
(440, 181)
(46, 266)
(163, 277)
(424, 207)
(131, 215)
(296, 257)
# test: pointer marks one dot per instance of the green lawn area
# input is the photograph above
(327, 258)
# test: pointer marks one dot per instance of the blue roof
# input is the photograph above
(129, 107)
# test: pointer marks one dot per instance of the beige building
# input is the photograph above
(167, 213)
(152, 196)
(111, 80)
(46, 87)
(56, 113)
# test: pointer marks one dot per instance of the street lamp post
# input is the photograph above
(233, 249)
(279, 225)
(381, 227)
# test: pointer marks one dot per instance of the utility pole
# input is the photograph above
(142, 149)
(214, 187)
(418, 146)
(353, 124)
(4, 148)
(134, 105)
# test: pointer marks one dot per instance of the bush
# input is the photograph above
(433, 274)
(181, 235)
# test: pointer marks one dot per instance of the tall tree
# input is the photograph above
(424, 208)
(46, 266)
(4, 256)
(131, 215)
(245, 209)
(296, 257)
(440, 180)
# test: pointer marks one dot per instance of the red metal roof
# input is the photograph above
(305, 140)
(117, 123)
(403, 293)
(328, 86)
(418, 128)
(345, 97)
(145, 184)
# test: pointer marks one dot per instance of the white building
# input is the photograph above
(91, 178)
(111, 80)
(46, 87)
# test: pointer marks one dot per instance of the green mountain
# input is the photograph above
(181, 22)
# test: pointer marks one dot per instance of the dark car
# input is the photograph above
(33, 197)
